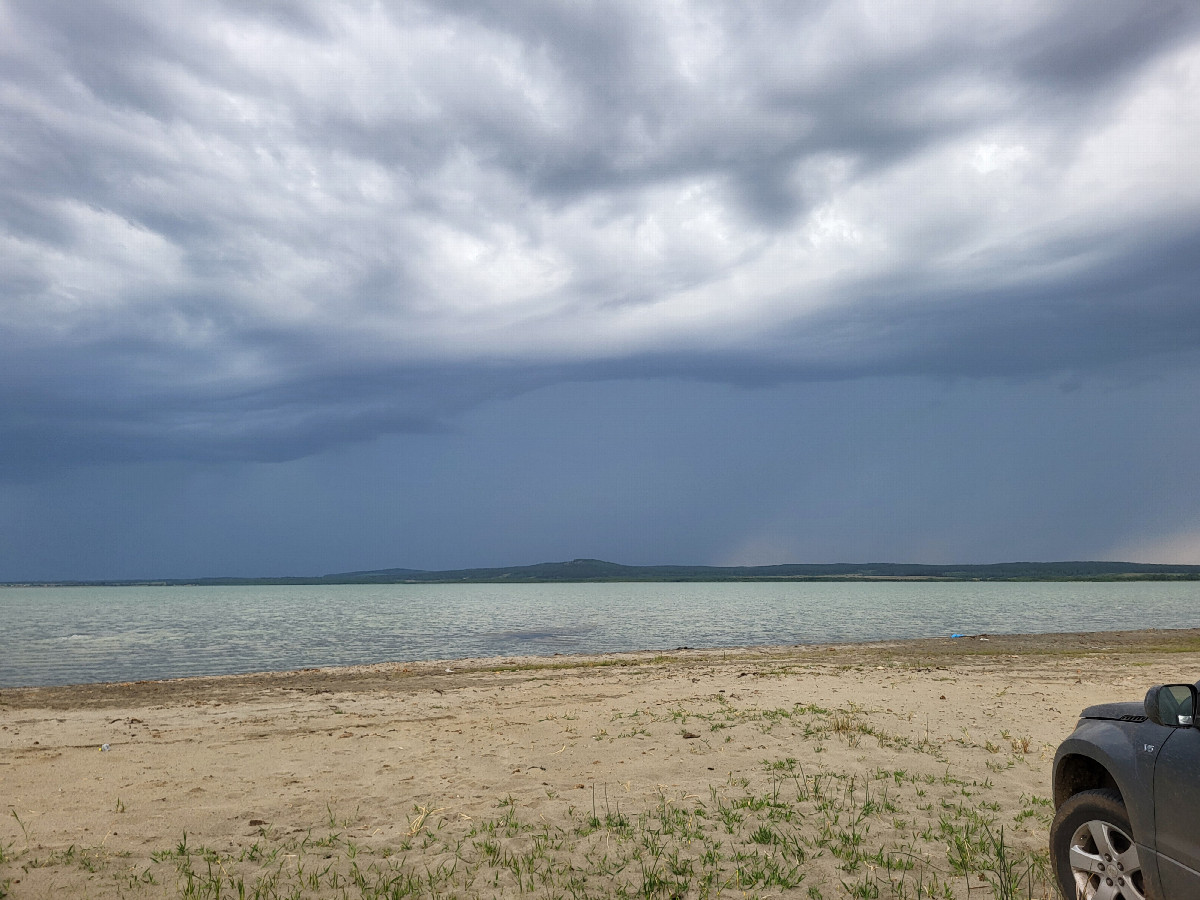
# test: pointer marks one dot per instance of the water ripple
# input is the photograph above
(54, 636)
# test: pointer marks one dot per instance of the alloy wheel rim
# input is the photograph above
(1104, 863)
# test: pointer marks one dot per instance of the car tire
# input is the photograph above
(1092, 848)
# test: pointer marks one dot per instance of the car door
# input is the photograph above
(1177, 813)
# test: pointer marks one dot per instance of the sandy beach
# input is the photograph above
(903, 769)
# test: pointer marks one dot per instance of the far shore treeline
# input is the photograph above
(584, 570)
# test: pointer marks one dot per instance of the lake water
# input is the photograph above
(73, 635)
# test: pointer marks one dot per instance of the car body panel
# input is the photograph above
(1177, 813)
(1174, 880)
(1126, 711)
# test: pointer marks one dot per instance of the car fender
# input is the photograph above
(1124, 753)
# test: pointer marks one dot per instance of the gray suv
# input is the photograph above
(1127, 795)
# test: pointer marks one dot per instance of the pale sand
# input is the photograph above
(391, 767)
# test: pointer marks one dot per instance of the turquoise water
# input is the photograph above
(75, 635)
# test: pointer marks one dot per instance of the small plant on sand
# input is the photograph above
(777, 829)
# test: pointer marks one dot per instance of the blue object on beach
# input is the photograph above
(958, 635)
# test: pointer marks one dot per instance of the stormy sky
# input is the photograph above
(309, 287)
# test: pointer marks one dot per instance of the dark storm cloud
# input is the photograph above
(253, 232)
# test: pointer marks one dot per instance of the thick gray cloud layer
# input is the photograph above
(251, 231)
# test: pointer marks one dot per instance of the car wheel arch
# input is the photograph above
(1077, 772)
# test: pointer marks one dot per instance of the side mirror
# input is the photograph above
(1171, 704)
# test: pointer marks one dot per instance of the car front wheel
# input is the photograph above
(1092, 849)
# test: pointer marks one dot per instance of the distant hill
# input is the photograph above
(597, 570)
(585, 570)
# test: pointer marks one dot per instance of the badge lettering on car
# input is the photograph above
(1149, 748)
